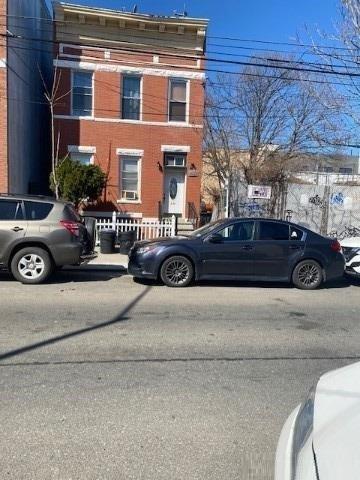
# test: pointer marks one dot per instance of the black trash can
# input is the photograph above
(107, 241)
(126, 241)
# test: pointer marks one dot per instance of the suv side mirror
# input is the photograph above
(215, 238)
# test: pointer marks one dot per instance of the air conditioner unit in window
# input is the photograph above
(129, 195)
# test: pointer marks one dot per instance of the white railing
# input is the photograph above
(146, 228)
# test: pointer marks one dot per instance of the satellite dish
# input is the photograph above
(135, 9)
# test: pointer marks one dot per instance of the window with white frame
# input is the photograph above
(129, 177)
(131, 97)
(175, 159)
(82, 157)
(82, 93)
(177, 100)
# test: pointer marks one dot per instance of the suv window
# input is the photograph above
(241, 231)
(273, 231)
(11, 210)
(37, 210)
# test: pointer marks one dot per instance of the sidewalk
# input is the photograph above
(111, 262)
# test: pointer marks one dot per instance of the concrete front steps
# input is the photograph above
(184, 227)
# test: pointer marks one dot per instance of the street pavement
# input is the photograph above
(102, 377)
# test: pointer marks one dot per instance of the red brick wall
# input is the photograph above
(3, 105)
(107, 136)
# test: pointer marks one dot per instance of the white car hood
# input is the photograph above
(336, 434)
(351, 242)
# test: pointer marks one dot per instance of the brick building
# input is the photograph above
(25, 33)
(133, 87)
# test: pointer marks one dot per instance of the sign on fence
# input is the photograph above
(259, 191)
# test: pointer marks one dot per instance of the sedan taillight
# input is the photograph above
(72, 227)
(335, 246)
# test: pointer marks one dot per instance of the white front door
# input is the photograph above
(174, 190)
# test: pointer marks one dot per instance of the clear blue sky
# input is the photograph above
(276, 20)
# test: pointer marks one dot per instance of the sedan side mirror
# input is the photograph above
(215, 238)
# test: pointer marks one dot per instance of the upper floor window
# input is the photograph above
(82, 93)
(131, 97)
(346, 170)
(177, 100)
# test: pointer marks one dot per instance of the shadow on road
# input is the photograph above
(121, 317)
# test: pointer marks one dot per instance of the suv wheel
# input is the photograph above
(307, 275)
(177, 272)
(31, 265)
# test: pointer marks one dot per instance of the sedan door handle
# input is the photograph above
(295, 247)
(17, 229)
(248, 247)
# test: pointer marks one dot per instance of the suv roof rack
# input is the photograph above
(26, 195)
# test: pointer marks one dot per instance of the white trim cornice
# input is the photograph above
(175, 148)
(130, 151)
(105, 67)
(81, 149)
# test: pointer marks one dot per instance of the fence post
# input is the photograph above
(173, 226)
(114, 220)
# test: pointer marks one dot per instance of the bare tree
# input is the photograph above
(273, 117)
(53, 98)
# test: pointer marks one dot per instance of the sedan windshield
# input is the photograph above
(209, 227)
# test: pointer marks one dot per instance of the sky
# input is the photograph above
(275, 20)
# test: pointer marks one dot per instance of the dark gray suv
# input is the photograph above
(39, 234)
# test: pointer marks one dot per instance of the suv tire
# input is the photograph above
(307, 275)
(31, 265)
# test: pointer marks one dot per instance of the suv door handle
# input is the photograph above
(248, 247)
(17, 229)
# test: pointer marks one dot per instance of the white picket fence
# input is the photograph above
(146, 228)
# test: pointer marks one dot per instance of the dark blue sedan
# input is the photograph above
(240, 249)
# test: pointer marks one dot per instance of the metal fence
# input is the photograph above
(327, 209)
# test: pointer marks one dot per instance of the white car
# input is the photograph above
(351, 250)
(320, 440)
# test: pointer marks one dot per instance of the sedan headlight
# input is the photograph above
(302, 430)
(146, 249)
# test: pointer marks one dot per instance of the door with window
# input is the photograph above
(233, 252)
(174, 191)
(12, 224)
(275, 246)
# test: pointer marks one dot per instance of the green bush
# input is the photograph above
(78, 182)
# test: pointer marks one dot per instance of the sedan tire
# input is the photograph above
(307, 275)
(177, 271)
(31, 265)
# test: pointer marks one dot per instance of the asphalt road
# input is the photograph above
(105, 378)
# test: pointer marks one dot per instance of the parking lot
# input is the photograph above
(106, 378)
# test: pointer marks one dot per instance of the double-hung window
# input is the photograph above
(82, 93)
(177, 100)
(129, 178)
(131, 97)
(83, 158)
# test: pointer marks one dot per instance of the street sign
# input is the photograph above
(259, 191)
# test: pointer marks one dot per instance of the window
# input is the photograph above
(130, 106)
(296, 234)
(273, 231)
(240, 232)
(83, 158)
(11, 210)
(178, 160)
(129, 178)
(37, 210)
(346, 170)
(177, 101)
(82, 94)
